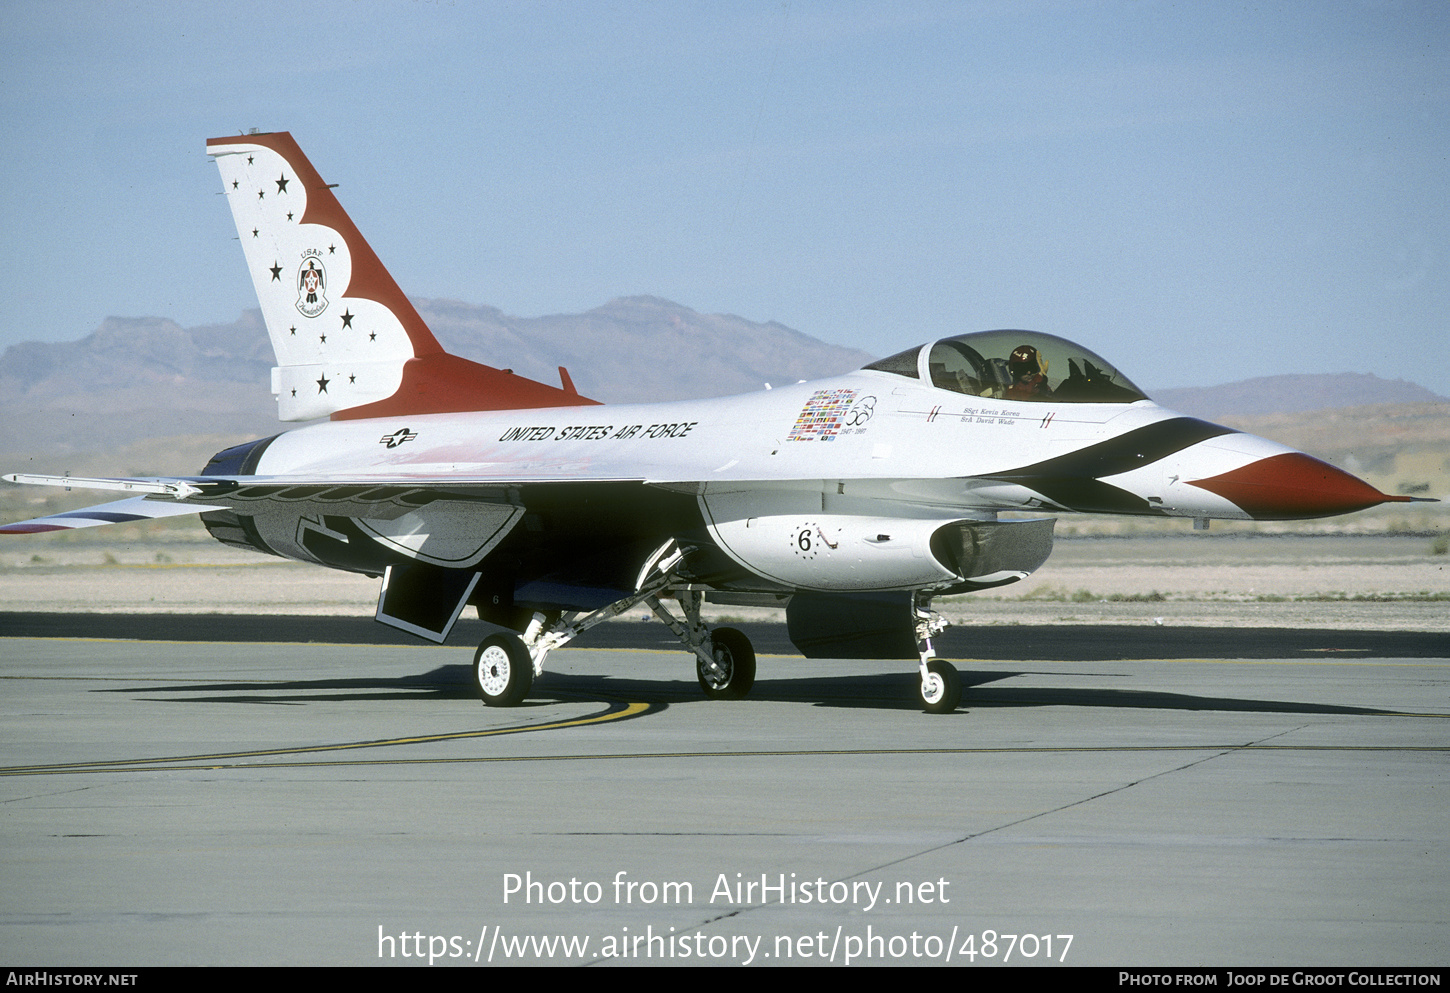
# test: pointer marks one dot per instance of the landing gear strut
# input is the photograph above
(940, 691)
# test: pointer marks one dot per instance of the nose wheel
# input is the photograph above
(941, 687)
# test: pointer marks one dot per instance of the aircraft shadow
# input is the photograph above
(449, 682)
(883, 691)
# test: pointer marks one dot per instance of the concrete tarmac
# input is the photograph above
(170, 802)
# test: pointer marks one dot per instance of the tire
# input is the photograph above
(734, 655)
(503, 671)
(941, 691)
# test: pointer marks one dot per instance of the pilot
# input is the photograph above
(1027, 370)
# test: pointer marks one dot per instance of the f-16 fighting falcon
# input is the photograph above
(850, 502)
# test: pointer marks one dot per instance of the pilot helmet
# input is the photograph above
(1023, 362)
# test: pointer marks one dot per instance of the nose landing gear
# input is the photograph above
(940, 691)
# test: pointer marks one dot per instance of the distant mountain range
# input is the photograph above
(1292, 394)
(149, 378)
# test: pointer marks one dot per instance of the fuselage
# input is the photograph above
(902, 443)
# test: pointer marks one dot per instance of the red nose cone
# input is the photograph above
(1293, 485)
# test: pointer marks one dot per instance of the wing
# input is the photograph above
(426, 537)
(426, 541)
(159, 499)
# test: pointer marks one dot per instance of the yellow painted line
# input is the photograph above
(615, 711)
(782, 753)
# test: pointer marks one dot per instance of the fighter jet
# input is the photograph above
(851, 502)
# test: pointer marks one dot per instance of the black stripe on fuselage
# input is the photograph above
(1075, 481)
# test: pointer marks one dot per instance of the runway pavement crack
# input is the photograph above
(1218, 753)
(41, 796)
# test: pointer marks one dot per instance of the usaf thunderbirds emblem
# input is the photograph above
(311, 282)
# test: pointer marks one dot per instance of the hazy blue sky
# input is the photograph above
(1200, 191)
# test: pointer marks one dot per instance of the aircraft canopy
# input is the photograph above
(1014, 365)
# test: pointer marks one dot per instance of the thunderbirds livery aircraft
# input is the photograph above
(851, 502)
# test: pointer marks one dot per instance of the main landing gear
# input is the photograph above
(732, 674)
(503, 670)
(506, 664)
(724, 660)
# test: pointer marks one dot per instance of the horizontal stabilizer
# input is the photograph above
(122, 511)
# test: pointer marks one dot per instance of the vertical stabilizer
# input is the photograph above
(348, 342)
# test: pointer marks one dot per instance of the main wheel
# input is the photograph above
(503, 670)
(941, 691)
(734, 666)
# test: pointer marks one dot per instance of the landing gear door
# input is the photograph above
(423, 599)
